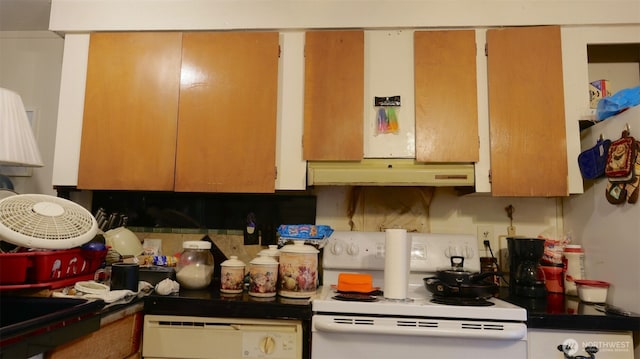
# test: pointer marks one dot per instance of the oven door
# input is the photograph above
(346, 336)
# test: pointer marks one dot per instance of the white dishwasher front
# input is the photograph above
(167, 336)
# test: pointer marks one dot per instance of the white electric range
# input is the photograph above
(414, 327)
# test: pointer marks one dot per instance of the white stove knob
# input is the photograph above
(353, 249)
(337, 248)
(469, 252)
(452, 251)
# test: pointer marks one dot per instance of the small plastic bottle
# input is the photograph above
(573, 258)
(195, 265)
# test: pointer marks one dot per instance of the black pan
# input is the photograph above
(457, 275)
(480, 290)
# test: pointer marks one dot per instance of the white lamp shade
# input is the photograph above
(18, 145)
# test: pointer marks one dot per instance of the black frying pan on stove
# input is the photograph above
(474, 290)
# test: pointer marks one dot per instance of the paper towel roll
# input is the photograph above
(397, 260)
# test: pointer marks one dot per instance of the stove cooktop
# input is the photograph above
(363, 252)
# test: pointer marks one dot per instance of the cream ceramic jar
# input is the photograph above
(271, 251)
(298, 276)
(263, 276)
(232, 275)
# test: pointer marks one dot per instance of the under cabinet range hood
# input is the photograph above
(389, 172)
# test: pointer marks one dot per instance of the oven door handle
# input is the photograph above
(426, 328)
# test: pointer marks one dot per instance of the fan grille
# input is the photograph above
(45, 218)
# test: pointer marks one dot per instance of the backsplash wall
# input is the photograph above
(157, 211)
(449, 212)
(440, 210)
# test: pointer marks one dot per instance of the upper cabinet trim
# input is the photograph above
(101, 15)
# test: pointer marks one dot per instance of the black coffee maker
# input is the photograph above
(526, 277)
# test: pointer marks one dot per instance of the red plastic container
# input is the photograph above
(14, 267)
(48, 266)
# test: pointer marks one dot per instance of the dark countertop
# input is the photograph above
(211, 302)
(557, 311)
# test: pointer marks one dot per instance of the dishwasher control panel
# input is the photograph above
(268, 344)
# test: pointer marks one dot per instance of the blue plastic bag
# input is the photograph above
(618, 102)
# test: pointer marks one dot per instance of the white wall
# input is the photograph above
(30, 65)
(609, 233)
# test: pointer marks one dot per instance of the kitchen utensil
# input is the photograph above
(45, 222)
(456, 274)
(91, 287)
(611, 309)
(355, 282)
(356, 297)
(123, 241)
(480, 290)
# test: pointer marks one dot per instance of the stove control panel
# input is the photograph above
(429, 251)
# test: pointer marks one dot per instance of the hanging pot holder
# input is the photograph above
(621, 158)
(593, 161)
(619, 192)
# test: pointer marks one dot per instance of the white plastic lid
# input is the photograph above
(233, 261)
(264, 259)
(196, 245)
(299, 247)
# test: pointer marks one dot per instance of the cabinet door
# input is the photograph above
(227, 119)
(130, 112)
(334, 95)
(446, 96)
(526, 112)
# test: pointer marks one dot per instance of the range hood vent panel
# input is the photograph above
(389, 172)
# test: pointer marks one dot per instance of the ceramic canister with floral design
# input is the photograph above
(232, 275)
(298, 270)
(263, 276)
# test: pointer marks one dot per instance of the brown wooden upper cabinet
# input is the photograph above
(334, 95)
(180, 111)
(130, 112)
(227, 121)
(526, 112)
(446, 96)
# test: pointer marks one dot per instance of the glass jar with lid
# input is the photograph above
(194, 269)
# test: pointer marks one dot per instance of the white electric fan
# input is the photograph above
(45, 222)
